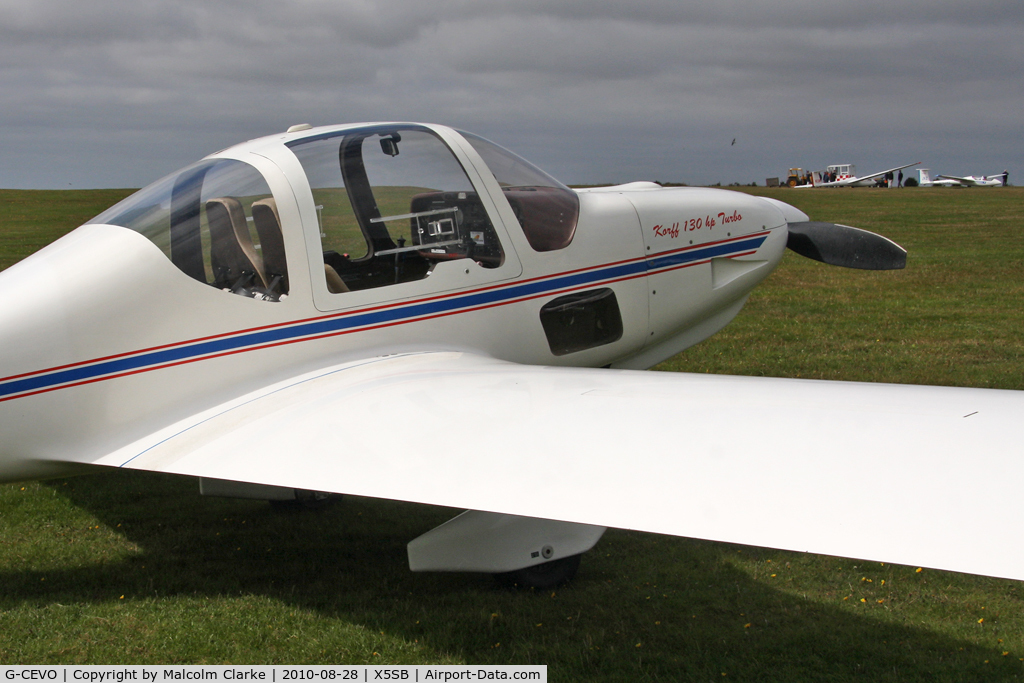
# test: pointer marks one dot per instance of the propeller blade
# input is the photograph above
(842, 245)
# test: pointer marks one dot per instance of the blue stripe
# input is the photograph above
(705, 253)
(371, 318)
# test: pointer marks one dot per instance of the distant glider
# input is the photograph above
(997, 180)
(925, 180)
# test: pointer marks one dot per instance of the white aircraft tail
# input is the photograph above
(923, 177)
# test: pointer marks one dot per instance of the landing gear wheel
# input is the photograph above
(305, 500)
(545, 575)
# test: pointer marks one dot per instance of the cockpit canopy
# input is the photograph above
(217, 221)
(392, 201)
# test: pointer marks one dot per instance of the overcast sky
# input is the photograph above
(117, 93)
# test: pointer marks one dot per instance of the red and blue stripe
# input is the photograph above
(368, 318)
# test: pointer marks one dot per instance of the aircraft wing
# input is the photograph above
(888, 170)
(861, 179)
(927, 476)
(962, 181)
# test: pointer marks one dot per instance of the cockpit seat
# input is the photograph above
(268, 227)
(335, 285)
(236, 265)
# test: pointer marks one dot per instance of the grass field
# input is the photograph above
(129, 567)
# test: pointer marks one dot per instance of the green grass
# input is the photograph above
(131, 567)
(31, 219)
(952, 317)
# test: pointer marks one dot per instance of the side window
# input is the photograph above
(392, 202)
(217, 221)
(546, 209)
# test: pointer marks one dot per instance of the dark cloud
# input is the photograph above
(118, 93)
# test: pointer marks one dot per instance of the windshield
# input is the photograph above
(546, 209)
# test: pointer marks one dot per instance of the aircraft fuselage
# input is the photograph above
(107, 337)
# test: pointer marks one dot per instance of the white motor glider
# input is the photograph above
(925, 180)
(997, 180)
(862, 181)
(406, 311)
